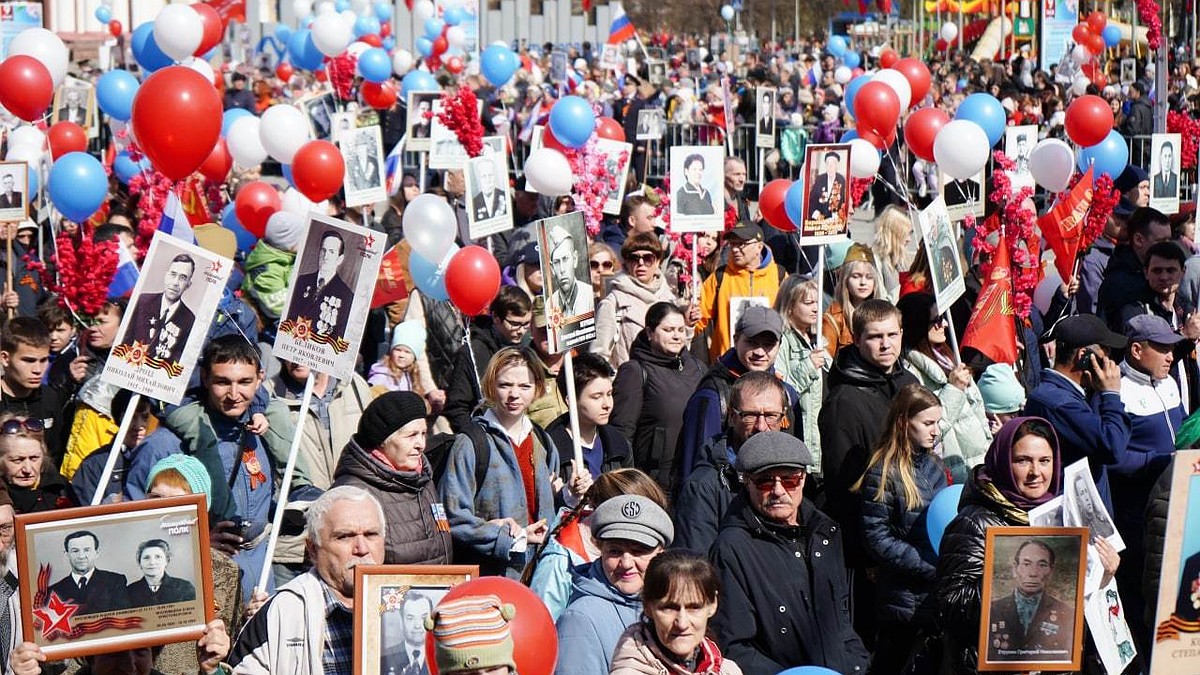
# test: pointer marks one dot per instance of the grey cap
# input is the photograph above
(757, 319)
(1151, 328)
(772, 450)
(635, 518)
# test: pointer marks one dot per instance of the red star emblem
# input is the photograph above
(55, 617)
(369, 241)
(215, 267)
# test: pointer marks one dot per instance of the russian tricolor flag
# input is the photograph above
(621, 29)
(391, 168)
(126, 276)
(175, 222)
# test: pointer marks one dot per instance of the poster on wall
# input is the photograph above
(1058, 20)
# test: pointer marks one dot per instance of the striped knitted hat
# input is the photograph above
(471, 633)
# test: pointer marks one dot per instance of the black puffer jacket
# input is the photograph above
(649, 395)
(897, 540)
(705, 497)
(408, 499)
(1156, 535)
(617, 454)
(959, 594)
(443, 338)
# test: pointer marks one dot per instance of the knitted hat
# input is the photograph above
(285, 230)
(1001, 391)
(472, 633)
(411, 334)
(189, 467)
(385, 415)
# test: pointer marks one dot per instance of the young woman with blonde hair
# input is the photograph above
(857, 280)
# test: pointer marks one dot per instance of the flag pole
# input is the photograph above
(953, 335)
(115, 450)
(281, 503)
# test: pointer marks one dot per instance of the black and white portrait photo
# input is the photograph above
(162, 332)
(697, 180)
(1082, 506)
(320, 111)
(420, 120)
(1018, 146)
(402, 631)
(14, 205)
(650, 124)
(945, 262)
(1164, 172)
(657, 71)
(764, 115)
(558, 67)
(74, 102)
(342, 123)
(570, 305)
(362, 150)
(965, 197)
(486, 179)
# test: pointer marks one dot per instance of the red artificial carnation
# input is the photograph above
(1189, 129)
(1018, 222)
(460, 114)
(85, 270)
(341, 69)
(1148, 16)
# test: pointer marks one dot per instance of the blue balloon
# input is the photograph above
(852, 90)
(383, 11)
(145, 49)
(793, 201)
(114, 94)
(850, 135)
(424, 46)
(498, 64)
(809, 670)
(572, 121)
(942, 509)
(282, 32)
(838, 45)
(427, 277)
(389, 43)
(230, 116)
(1111, 35)
(78, 185)
(287, 173)
(33, 186)
(374, 65)
(1108, 156)
(455, 15)
(417, 81)
(366, 24)
(852, 59)
(245, 239)
(986, 111)
(341, 5)
(433, 27)
(303, 51)
(103, 14)
(126, 168)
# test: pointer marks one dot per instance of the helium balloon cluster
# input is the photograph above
(1091, 38)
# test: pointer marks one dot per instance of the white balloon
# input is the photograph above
(331, 35)
(200, 66)
(549, 172)
(1052, 164)
(46, 47)
(325, 7)
(864, 159)
(1043, 295)
(429, 226)
(25, 153)
(244, 144)
(1079, 85)
(402, 61)
(356, 48)
(1080, 55)
(27, 135)
(178, 31)
(961, 149)
(349, 18)
(949, 31)
(898, 83)
(282, 131)
(423, 10)
(843, 74)
(302, 8)
(360, 5)
(294, 202)
(455, 36)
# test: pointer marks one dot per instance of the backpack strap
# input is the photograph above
(479, 440)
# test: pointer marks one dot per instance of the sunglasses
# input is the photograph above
(33, 426)
(602, 265)
(641, 258)
(767, 483)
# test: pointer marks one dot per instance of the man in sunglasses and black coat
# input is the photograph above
(780, 563)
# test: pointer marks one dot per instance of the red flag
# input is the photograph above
(193, 203)
(389, 286)
(229, 10)
(1062, 226)
(587, 5)
(993, 329)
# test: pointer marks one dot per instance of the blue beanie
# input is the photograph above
(190, 468)
(1001, 391)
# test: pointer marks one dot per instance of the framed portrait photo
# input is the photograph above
(698, 188)
(964, 197)
(14, 192)
(362, 150)
(945, 260)
(390, 606)
(1177, 615)
(764, 116)
(827, 197)
(1039, 569)
(1083, 507)
(420, 120)
(1165, 178)
(343, 124)
(617, 156)
(1018, 146)
(657, 71)
(489, 209)
(650, 124)
(320, 110)
(567, 281)
(74, 101)
(118, 576)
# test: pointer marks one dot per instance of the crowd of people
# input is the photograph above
(754, 485)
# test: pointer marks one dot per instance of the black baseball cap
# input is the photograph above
(1083, 330)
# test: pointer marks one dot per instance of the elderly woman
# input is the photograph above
(22, 459)
(156, 587)
(621, 314)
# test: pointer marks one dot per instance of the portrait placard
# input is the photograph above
(420, 120)
(362, 151)
(567, 283)
(764, 114)
(657, 71)
(617, 156)
(164, 328)
(14, 191)
(320, 110)
(1082, 506)
(1042, 566)
(610, 57)
(697, 184)
(558, 67)
(490, 204)
(827, 194)
(74, 101)
(945, 263)
(446, 152)
(650, 124)
(1165, 172)
(390, 606)
(331, 287)
(147, 571)
(343, 124)
(964, 197)
(1018, 146)
(1177, 621)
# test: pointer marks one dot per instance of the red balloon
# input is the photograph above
(878, 141)
(440, 45)
(385, 29)
(318, 170)
(66, 137)
(177, 120)
(371, 39)
(472, 280)
(216, 167)
(549, 141)
(1094, 43)
(254, 205)
(214, 29)
(607, 127)
(888, 58)
(770, 202)
(1080, 33)
(321, 75)
(284, 71)
(921, 128)
(917, 74)
(27, 88)
(114, 28)
(1097, 21)
(877, 107)
(454, 64)
(379, 96)
(941, 45)
(530, 625)
(433, 63)
(1089, 119)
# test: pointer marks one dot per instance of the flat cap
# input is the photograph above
(633, 518)
(772, 450)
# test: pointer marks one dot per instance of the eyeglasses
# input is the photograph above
(767, 483)
(602, 265)
(641, 258)
(31, 425)
(939, 320)
(748, 416)
(738, 245)
(514, 325)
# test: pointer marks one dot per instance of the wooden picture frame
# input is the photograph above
(177, 611)
(1051, 561)
(1177, 604)
(380, 595)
